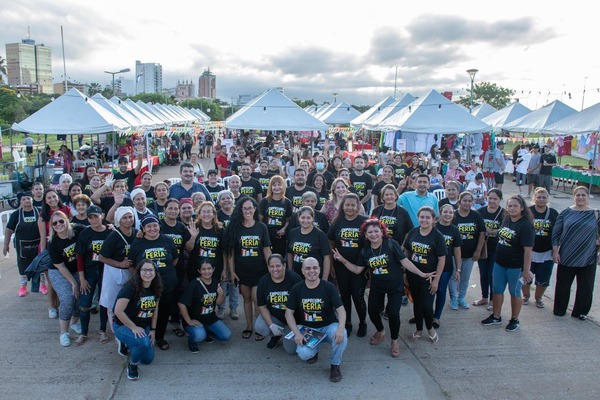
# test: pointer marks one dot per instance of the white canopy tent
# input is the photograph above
(271, 111)
(118, 111)
(483, 110)
(537, 121)
(506, 115)
(339, 114)
(423, 122)
(158, 121)
(586, 121)
(149, 123)
(376, 109)
(386, 112)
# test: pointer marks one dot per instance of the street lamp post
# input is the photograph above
(471, 73)
(113, 76)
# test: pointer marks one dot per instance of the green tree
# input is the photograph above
(94, 88)
(487, 92)
(11, 106)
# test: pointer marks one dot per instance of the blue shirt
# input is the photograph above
(178, 192)
(412, 202)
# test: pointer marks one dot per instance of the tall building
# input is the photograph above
(29, 65)
(148, 77)
(207, 85)
(184, 90)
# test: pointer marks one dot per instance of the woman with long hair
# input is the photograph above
(335, 165)
(94, 184)
(542, 263)
(513, 261)
(75, 189)
(308, 241)
(158, 248)
(387, 178)
(90, 170)
(574, 246)
(136, 315)
(344, 236)
(493, 215)
(384, 260)
(395, 217)
(452, 265)
(63, 272)
(426, 248)
(275, 211)
(320, 183)
(247, 245)
(472, 232)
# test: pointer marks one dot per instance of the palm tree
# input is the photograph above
(2, 69)
(94, 88)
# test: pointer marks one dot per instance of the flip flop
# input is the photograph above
(434, 339)
(246, 333)
(258, 337)
(415, 336)
(178, 332)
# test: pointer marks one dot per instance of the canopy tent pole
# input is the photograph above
(592, 167)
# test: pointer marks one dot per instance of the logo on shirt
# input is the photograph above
(278, 299)
(379, 264)
(312, 309)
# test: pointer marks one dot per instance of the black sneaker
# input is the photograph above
(313, 359)
(362, 329)
(208, 339)
(348, 328)
(122, 349)
(132, 372)
(413, 320)
(273, 343)
(492, 320)
(193, 346)
(513, 325)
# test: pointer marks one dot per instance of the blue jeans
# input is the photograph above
(217, 330)
(140, 349)
(337, 350)
(440, 296)
(232, 291)
(459, 289)
(92, 276)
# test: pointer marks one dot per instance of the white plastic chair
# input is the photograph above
(288, 181)
(439, 193)
(18, 159)
(226, 181)
(174, 180)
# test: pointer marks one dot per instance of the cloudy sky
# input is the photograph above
(315, 48)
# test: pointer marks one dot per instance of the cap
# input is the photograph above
(500, 143)
(23, 194)
(479, 175)
(536, 146)
(212, 171)
(122, 160)
(149, 219)
(93, 209)
(186, 200)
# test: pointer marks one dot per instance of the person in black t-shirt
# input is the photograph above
(317, 305)
(272, 294)
(362, 183)
(263, 176)
(295, 192)
(130, 175)
(275, 211)
(197, 306)
(136, 315)
(251, 187)
(513, 261)
(308, 241)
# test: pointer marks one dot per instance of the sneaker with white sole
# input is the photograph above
(76, 328)
(492, 320)
(52, 313)
(65, 339)
(513, 325)
(132, 372)
(23, 291)
(234, 314)
(539, 304)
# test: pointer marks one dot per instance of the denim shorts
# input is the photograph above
(502, 276)
(542, 272)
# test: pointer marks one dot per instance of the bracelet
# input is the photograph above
(458, 270)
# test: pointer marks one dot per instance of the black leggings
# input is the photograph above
(164, 308)
(377, 304)
(585, 289)
(422, 299)
(352, 288)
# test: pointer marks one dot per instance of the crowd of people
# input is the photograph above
(301, 237)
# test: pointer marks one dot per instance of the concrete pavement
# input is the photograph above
(548, 357)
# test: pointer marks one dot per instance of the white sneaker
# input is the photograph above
(65, 339)
(76, 327)
(52, 313)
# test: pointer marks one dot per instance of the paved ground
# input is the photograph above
(548, 357)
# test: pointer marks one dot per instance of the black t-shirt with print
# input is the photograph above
(115, 247)
(150, 196)
(214, 191)
(129, 176)
(275, 295)
(139, 311)
(24, 224)
(208, 245)
(397, 221)
(295, 195)
(424, 251)
(250, 263)
(201, 303)
(163, 252)
(378, 186)
(264, 180)
(361, 184)
(320, 222)
(316, 307)
(224, 218)
(251, 188)
(347, 237)
(157, 209)
(445, 201)
(301, 246)
(399, 171)
(384, 265)
(469, 227)
(543, 229)
(178, 233)
(63, 250)
(275, 213)
(493, 222)
(512, 238)
(89, 245)
(453, 240)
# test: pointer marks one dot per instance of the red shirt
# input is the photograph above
(222, 162)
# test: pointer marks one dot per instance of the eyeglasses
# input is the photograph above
(147, 270)
(60, 221)
(247, 208)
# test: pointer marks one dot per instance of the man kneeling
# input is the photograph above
(316, 303)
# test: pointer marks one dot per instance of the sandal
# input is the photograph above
(246, 333)
(163, 345)
(377, 338)
(415, 337)
(480, 302)
(178, 332)
(434, 339)
(104, 338)
(395, 349)
(80, 340)
(258, 337)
